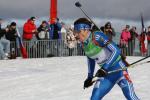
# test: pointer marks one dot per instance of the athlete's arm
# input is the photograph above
(91, 67)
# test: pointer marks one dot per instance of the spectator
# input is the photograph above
(63, 30)
(71, 41)
(131, 44)
(148, 40)
(42, 31)
(95, 28)
(42, 35)
(55, 29)
(143, 48)
(55, 34)
(29, 29)
(124, 39)
(4, 44)
(109, 31)
(11, 35)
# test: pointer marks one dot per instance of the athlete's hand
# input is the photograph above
(101, 73)
(88, 82)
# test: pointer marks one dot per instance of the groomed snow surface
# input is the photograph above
(60, 78)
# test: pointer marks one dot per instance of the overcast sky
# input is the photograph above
(122, 9)
(102, 9)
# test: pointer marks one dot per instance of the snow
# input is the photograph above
(60, 78)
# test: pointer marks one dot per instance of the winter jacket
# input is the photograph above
(143, 47)
(55, 31)
(2, 33)
(142, 37)
(27, 30)
(148, 36)
(110, 33)
(70, 39)
(133, 34)
(11, 35)
(42, 33)
(125, 36)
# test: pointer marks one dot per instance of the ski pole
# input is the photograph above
(130, 66)
(78, 4)
(140, 60)
(125, 68)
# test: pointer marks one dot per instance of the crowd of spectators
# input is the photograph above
(59, 31)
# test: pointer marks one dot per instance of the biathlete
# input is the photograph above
(107, 55)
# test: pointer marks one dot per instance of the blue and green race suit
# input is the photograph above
(107, 55)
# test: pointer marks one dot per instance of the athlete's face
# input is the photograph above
(81, 35)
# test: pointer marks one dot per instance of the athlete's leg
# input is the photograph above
(128, 89)
(126, 85)
(101, 88)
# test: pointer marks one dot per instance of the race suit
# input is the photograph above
(107, 55)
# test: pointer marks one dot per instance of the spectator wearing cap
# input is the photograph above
(109, 30)
(134, 35)
(124, 39)
(43, 34)
(11, 35)
(42, 31)
(29, 29)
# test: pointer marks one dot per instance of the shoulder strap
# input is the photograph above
(101, 39)
(97, 44)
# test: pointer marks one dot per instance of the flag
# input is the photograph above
(22, 48)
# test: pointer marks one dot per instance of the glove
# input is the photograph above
(88, 82)
(101, 73)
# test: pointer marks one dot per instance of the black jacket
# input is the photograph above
(11, 35)
(0, 26)
(40, 29)
(2, 33)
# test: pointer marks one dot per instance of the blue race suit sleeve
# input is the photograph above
(103, 41)
(91, 67)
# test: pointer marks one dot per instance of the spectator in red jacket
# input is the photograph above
(143, 46)
(29, 29)
(148, 40)
(124, 39)
(125, 36)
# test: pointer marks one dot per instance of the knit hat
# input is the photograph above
(32, 18)
(13, 24)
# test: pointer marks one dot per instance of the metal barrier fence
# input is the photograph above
(48, 48)
(58, 48)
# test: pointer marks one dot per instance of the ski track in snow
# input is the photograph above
(60, 78)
